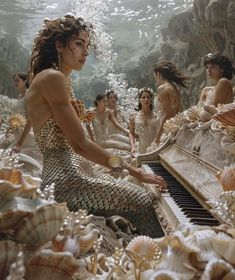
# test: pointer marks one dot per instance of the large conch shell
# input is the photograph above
(51, 265)
(227, 177)
(8, 254)
(41, 226)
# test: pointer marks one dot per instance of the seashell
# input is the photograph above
(51, 265)
(175, 257)
(204, 116)
(210, 109)
(14, 210)
(40, 226)
(225, 248)
(158, 275)
(218, 269)
(8, 191)
(142, 248)
(86, 242)
(192, 114)
(26, 183)
(227, 177)
(9, 251)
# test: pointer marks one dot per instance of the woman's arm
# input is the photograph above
(18, 145)
(223, 92)
(116, 123)
(132, 134)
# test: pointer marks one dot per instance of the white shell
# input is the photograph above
(41, 226)
(218, 269)
(51, 265)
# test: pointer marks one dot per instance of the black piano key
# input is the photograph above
(185, 201)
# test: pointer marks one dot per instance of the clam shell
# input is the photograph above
(225, 248)
(9, 251)
(226, 115)
(50, 265)
(41, 226)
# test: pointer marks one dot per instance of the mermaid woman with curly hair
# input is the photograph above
(60, 47)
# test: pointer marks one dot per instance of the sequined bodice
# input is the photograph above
(50, 136)
(146, 131)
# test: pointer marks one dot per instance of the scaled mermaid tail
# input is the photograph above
(76, 184)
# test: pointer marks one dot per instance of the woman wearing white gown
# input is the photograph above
(143, 123)
(100, 123)
(24, 140)
(112, 105)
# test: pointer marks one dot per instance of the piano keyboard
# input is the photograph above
(179, 201)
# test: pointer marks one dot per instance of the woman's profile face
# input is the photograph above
(73, 55)
(19, 83)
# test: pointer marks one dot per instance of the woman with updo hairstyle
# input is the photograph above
(143, 123)
(220, 71)
(100, 126)
(59, 48)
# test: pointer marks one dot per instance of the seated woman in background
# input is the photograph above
(112, 105)
(220, 70)
(143, 123)
(168, 99)
(100, 123)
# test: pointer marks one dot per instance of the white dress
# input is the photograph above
(103, 137)
(146, 131)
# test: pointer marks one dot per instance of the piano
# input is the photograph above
(191, 183)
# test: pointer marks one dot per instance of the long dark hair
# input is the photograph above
(140, 93)
(44, 54)
(169, 71)
(223, 61)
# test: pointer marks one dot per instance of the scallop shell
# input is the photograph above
(227, 177)
(41, 226)
(218, 269)
(14, 210)
(9, 251)
(142, 248)
(51, 265)
(87, 241)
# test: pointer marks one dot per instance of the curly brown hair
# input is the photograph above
(169, 71)
(44, 54)
(223, 61)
